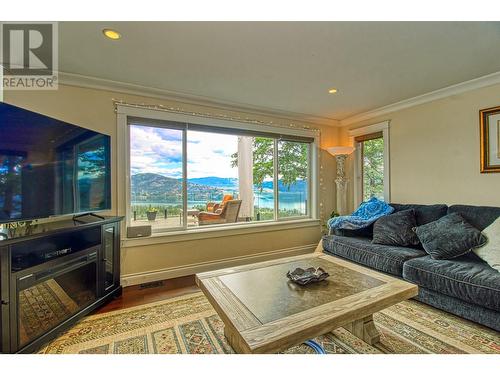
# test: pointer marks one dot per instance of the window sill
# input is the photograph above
(202, 233)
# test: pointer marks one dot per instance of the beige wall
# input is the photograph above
(434, 151)
(94, 109)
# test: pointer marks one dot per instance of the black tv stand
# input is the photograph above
(73, 265)
(90, 215)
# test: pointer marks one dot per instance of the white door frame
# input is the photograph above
(370, 129)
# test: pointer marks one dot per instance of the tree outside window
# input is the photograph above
(373, 168)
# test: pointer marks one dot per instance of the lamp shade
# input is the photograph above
(340, 150)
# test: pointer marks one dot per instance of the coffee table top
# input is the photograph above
(268, 294)
(268, 312)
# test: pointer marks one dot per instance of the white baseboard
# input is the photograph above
(172, 272)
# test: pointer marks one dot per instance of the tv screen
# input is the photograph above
(49, 167)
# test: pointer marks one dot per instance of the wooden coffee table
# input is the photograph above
(264, 312)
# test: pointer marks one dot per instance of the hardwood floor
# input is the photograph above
(146, 293)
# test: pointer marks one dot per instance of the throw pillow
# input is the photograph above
(396, 229)
(490, 252)
(449, 237)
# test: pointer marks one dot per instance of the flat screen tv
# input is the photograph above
(49, 167)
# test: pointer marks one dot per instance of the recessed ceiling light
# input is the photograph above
(112, 34)
(332, 91)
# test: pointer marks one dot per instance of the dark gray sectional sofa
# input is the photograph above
(464, 286)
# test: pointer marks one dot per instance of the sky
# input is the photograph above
(159, 150)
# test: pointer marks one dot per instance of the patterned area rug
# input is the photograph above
(188, 324)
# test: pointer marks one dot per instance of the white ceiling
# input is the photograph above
(286, 66)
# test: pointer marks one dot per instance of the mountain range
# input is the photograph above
(152, 187)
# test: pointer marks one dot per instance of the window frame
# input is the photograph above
(365, 133)
(361, 142)
(125, 112)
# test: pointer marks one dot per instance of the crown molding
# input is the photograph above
(379, 127)
(71, 79)
(473, 84)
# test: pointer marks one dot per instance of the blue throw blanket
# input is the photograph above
(367, 213)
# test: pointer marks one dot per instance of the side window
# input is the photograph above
(372, 157)
(372, 163)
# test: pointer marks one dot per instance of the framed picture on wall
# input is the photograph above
(490, 139)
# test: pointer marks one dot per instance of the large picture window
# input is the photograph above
(185, 176)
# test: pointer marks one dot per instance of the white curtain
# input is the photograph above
(245, 175)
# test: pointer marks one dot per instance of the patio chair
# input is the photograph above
(228, 214)
(214, 206)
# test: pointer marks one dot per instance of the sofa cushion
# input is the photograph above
(396, 229)
(470, 280)
(384, 258)
(423, 213)
(490, 252)
(449, 237)
(479, 216)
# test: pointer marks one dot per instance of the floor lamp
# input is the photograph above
(341, 153)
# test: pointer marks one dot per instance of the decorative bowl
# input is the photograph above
(307, 276)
